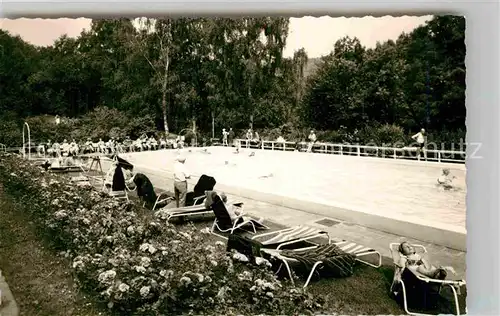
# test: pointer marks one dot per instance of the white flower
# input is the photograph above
(186, 235)
(145, 262)
(185, 280)
(240, 257)
(107, 277)
(205, 230)
(245, 276)
(166, 273)
(130, 229)
(270, 294)
(222, 292)
(214, 263)
(86, 221)
(200, 277)
(123, 287)
(140, 269)
(262, 261)
(144, 291)
(78, 264)
(219, 243)
(61, 214)
(147, 247)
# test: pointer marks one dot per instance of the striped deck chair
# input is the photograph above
(187, 211)
(299, 236)
(406, 279)
(337, 258)
(223, 222)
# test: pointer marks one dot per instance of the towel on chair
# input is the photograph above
(336, 262)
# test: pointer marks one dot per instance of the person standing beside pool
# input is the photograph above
(420, 138)
(224, 137)
(181, 175)
(230, 137)
(312, 140)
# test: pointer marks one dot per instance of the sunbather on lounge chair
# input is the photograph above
(410, 259)
(234, 210)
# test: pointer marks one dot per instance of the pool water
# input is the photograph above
(386, 187)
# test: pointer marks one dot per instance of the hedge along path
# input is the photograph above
(40, 280)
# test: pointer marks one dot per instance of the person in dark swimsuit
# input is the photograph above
(145, 189)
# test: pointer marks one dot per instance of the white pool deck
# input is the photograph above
(395, 196)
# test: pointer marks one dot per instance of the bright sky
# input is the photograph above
(316, 35)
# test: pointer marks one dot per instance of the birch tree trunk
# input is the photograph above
(164, 91)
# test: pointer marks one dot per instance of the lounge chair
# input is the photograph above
(197, 196)
(224, 224)
(336, 257)
(407, 279)
(162, 198)
(187, 211)
(297, 236)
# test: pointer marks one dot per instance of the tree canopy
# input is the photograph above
(180, 71)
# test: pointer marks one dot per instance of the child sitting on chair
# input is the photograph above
(415, 263)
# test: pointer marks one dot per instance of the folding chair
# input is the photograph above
(120, 195)
(108, 181)
(404, 277)
(224, 224)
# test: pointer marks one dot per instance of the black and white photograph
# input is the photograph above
(233, 166)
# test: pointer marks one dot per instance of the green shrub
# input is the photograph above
(142, 265)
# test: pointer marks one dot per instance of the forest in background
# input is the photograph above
(124, 77)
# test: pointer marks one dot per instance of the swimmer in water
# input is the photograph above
(266, 176)
(446, 179)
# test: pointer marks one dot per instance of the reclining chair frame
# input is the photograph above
(356, 250)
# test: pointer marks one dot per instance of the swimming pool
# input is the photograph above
(392, 188)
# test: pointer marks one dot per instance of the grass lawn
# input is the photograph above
(39, 279)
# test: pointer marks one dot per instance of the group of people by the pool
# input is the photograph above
(111, 146)
(121, 177)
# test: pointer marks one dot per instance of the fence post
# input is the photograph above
(358, 150)
(439, 156)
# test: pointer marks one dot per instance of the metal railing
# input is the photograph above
(359, 150)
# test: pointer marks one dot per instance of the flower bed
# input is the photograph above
(139, 264)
